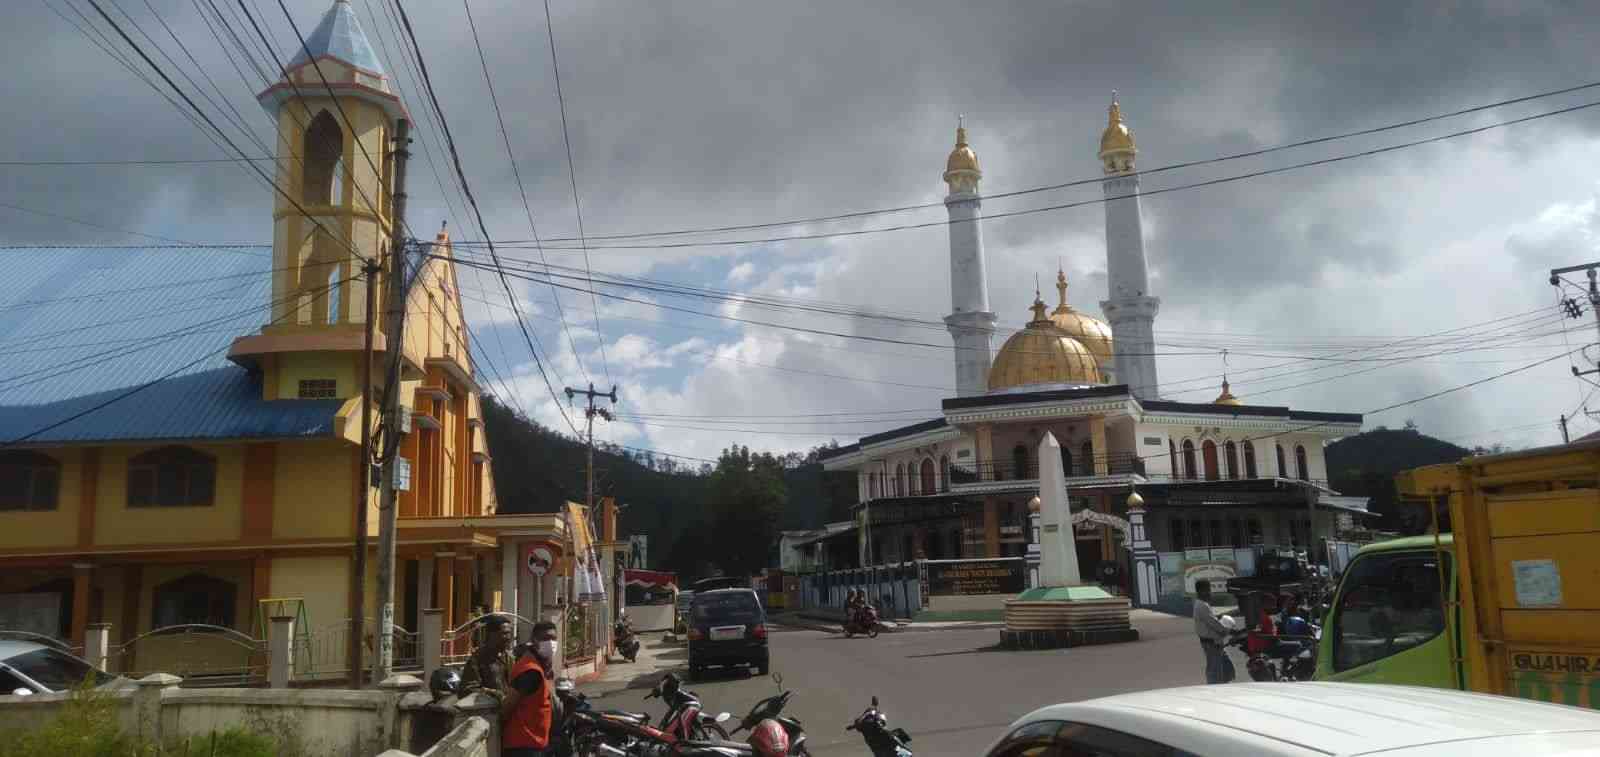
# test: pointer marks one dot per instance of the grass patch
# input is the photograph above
(86, 726)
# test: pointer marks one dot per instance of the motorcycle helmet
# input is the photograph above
(444, 682)
(1294, 625)
(769, 739)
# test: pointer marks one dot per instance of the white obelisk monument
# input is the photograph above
(1058, 553)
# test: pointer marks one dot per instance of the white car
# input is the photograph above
(1302, 719)
(28, 667)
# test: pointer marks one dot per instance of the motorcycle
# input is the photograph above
(771, 734)
(1289, 656)
(881, 740)
(685, 717)
(863, 621)
(627, 642)
(585, 731)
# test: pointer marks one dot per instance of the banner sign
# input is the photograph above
(968, 577)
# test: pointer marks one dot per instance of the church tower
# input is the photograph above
(1129, 306)
(970, 322)
(333, 162)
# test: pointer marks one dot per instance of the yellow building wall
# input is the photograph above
(323, 582)
(313, 491)
(56, 528)
(116, 523)
(290, 369)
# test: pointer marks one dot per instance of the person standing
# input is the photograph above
(527, 710)
(1213, 635)
(490, 663)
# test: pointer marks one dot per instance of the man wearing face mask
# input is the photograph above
(528, 709)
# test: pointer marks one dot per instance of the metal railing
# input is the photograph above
(324, 652)
(986, 471)
(200, 654)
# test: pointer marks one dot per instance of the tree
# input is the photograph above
(747, 495)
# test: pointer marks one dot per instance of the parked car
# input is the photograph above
(727, 627)
(720, 582)
(29, 667)
(1303, 719)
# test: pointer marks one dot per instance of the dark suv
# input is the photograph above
(727, 627)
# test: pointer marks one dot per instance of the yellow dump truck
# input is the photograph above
(1505, 600)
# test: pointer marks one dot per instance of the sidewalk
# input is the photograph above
(657, 657)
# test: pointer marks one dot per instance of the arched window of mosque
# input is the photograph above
(1066, 460)
(28, 480)
(899, 479)
(1249, 460)
(1086, 462)
(171, 477)
(1301, 470)
(1019, 462)
(1172, 455)
(1283, 470)
(322, 163)
(944, 470)
(1208, 452)
(1189, 468)
(872, 485)
(929, 485)
(1231, 453)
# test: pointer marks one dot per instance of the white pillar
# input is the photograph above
(280, 651)
(97, 644)
(508, 582)
(1058, 553)
(430, 637)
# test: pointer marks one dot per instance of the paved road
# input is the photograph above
(952, 690)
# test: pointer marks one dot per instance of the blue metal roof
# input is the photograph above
(81, 327)
(339, 36)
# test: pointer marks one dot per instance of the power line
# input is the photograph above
(461, 174)
(572, 175)
(1081, 203)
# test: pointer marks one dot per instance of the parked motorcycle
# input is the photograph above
(863, 621)
(626, 640)
(685, 717)
(873, 726)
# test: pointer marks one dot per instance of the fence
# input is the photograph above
(203, 655)
(324, 652)
(896, 589)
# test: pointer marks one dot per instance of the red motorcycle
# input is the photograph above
(863, 621)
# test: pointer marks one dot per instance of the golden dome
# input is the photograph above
(1117, 137)
(1226, 398)
(962, 158)
(1042, 353)
(1034, 505)
(1135, 501)
(1090, 331)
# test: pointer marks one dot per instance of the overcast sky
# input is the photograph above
(704, 114)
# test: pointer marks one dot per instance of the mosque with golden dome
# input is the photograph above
(1212, 486)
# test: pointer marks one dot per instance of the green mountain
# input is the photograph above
(1365, 465)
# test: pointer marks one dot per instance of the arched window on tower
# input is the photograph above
(1189, 468)
(1231, 454)
(1208, 453)
(322, 164)
(333, 294)
(1283, 470)
(929, 485)
(1302, 471)
(1249, 459)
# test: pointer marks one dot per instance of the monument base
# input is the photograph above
(1066, 616)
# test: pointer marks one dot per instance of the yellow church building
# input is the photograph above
(165, 463)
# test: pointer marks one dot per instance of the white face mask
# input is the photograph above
(547, 649)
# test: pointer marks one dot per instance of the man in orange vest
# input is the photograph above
(528, 709)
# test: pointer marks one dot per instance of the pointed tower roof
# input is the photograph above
(354, 70)
(339, 36)
(1226, 398)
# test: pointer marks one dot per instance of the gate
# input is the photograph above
(200, 654)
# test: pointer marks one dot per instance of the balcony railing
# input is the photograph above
(985, 471)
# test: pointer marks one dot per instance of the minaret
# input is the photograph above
(970, 322)
(1129, 306)
(331, 162)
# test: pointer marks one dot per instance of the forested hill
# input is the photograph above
(537, 469)
(1365, 465)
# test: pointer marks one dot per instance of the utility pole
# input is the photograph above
(393, 336)
(590, 412)
(1564, 439)
(1572, 307)
(358, 569)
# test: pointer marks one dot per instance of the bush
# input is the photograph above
(86, 726)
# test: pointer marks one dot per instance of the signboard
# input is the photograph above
(1179, 570)
(538, 559)
(968, 577)
(1538, 583)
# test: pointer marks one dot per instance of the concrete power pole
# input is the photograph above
(358, 569)
(393, 335)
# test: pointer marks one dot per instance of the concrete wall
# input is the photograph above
(973, 602)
